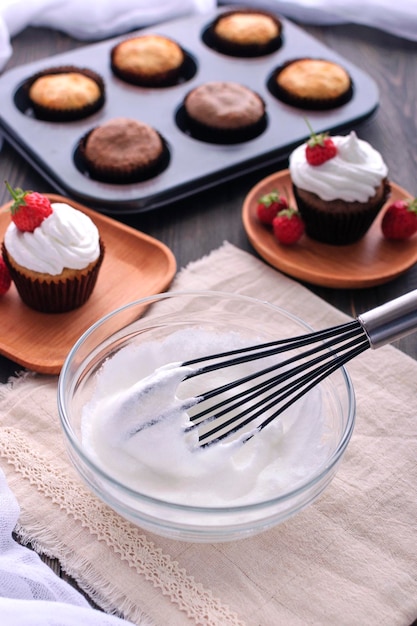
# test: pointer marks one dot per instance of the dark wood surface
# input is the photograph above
(195, 226)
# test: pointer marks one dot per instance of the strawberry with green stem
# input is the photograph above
(400, 219)
(269, 205)
(29, 208)
(319, 148)
(288, 226)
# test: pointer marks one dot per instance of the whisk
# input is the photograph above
(260, 396)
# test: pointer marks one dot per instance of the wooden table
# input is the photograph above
(195, 226)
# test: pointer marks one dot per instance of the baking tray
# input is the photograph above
(194, 165)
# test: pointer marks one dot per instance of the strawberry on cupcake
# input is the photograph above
(53, 252)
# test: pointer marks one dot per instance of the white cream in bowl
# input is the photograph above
(134, 431)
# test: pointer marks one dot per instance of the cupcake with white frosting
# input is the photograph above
(55, 265)
(340, 185)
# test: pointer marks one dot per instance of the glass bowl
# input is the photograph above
(241, 489)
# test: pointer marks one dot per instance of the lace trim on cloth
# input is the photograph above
(118, 534)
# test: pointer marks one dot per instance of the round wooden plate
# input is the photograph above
(135, 265)
(371, 261)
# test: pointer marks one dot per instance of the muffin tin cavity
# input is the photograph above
(186, 72)
(193, 160)
(313, 105)
(54, 113)
(22, 102)
(232, 49)
(128, 179)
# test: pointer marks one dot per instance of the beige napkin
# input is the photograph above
(349, 559)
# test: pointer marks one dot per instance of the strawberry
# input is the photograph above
(5, 279)
(269, 205)
(400, 219)
(319, 149)
(288, 226)
(29, 208)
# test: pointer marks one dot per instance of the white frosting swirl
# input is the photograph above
(352, 175)
(65, 239)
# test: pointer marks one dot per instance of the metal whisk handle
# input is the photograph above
(390, 321)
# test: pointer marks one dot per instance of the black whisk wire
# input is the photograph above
(260, 351)
(336, 346)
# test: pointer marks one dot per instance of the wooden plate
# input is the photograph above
(134, 266)
(371, 261)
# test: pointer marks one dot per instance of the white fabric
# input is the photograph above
(98, 19)
(396, 17)
(24, 578)
(91, 20)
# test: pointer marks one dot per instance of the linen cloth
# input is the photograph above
(98, 19)
(348, 559)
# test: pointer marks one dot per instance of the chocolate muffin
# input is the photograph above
(245, 32)
(224, 111)
(65, 93)
(148, 60)
(308, 83)
(123, 151)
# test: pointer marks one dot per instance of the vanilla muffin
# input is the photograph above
(122, 151)
(65, 93)
(340, 198)
(224, 111)
(148, 60)
(246, 32)
(312, 84)
(55, 267)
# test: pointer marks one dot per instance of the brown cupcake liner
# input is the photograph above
(116, 175)
(338, 228)
(166, 79)
(56, 296)
(314, 104)
(65, 115)
(225, 136)
(230, 48)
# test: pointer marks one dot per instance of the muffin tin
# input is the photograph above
(51, 148)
